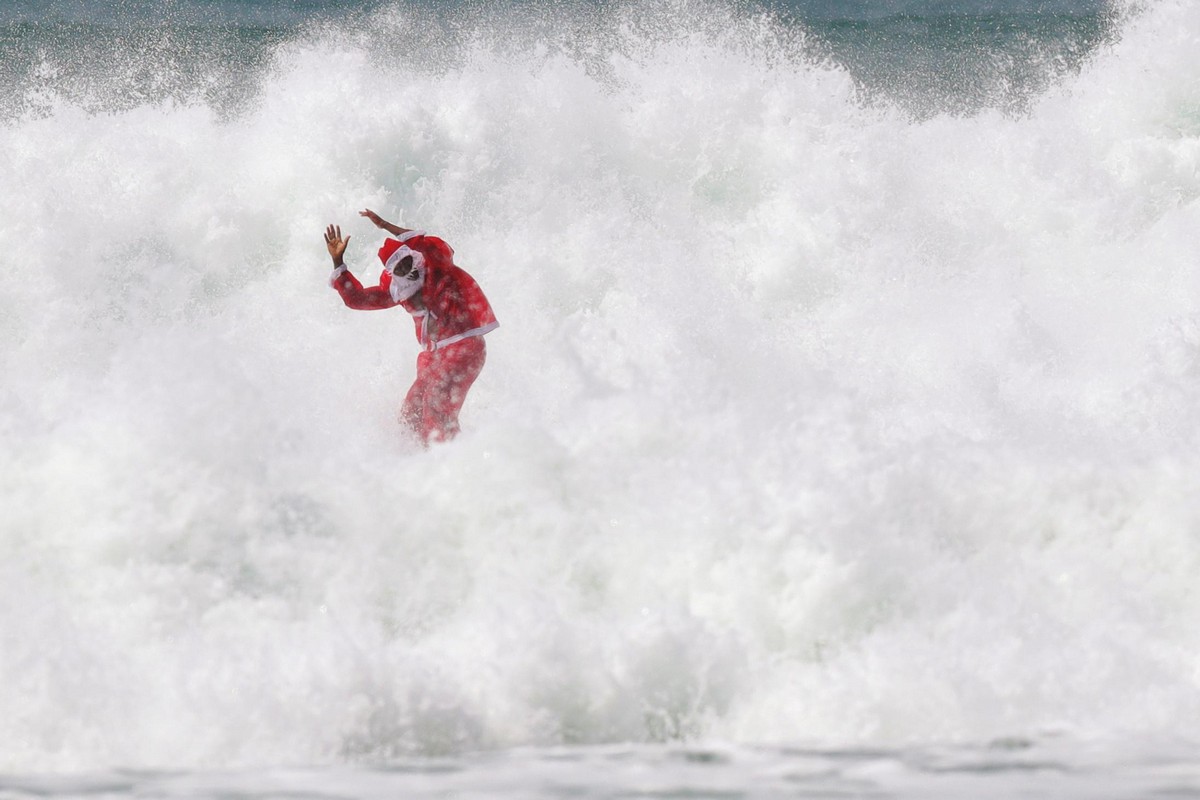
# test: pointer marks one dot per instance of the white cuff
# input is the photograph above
(338, 272)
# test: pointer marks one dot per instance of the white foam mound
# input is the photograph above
(805, 421)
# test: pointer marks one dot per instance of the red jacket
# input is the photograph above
(455, 306)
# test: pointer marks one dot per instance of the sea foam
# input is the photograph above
(808, 420)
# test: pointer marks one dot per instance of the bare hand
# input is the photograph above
(335, 244)
(376, 220)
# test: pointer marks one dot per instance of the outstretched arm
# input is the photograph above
(353, 293)
(380, 222)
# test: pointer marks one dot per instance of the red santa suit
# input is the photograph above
(451, 316)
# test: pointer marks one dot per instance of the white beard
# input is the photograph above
(405, 286)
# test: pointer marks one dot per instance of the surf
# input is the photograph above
(813, 416)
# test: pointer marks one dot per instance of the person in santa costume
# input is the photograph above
(448, 308)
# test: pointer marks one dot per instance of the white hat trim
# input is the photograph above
(405, 286)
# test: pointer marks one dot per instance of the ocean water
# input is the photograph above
(839, 437)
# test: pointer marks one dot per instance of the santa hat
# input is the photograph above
(406, 284)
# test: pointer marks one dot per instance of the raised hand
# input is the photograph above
(376, 220)
(380, 222)
(335, 244)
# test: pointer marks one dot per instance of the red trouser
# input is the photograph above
(443, 377)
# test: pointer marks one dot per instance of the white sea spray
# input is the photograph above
(809, 419)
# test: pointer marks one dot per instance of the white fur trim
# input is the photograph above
(424, 315)
(338, 272)
(458, 337)
(417, 256)
(405, 286)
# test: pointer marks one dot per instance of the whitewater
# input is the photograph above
(812, 422)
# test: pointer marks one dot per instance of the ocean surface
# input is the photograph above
(840, 437)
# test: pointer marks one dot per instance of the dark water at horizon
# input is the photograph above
(927, 56)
